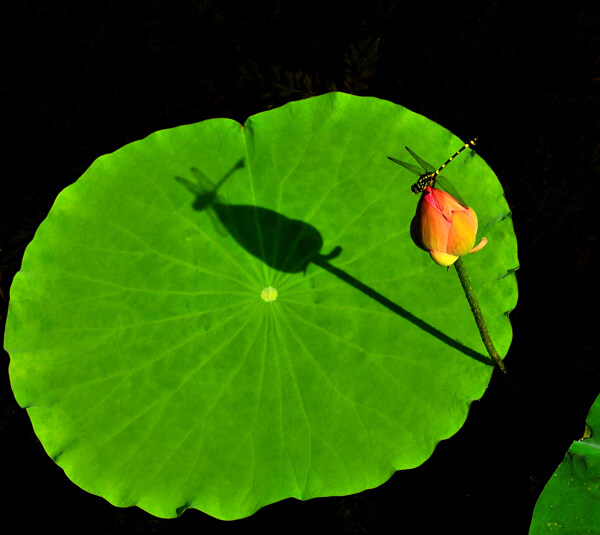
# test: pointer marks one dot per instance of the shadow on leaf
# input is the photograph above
(289, 245)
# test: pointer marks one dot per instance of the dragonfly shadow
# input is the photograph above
(290, 245)
(285, 244)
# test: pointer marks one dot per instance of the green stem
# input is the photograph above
(461, 270)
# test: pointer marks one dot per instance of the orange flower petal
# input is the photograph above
(461, 236)
(432, 227)
(444, 227)
(445, 203)
(479, 246)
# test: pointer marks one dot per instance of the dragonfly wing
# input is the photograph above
(445, 185)
(203, 181)
(412, 168)
(427, 166)
(191, 186)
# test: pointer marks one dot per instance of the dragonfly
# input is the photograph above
(429, 175)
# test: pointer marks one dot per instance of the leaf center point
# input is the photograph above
(269, 294)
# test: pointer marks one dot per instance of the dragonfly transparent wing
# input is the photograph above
(426, 166)
(445, 185)
(412, 168)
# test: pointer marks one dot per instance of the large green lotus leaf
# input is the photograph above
(158, 370)
(570, 501)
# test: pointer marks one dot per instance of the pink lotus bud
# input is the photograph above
(444, 227)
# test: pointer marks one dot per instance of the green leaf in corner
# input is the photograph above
(570, 501)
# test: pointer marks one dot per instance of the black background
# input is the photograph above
(80, 79)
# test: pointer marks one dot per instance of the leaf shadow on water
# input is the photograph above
(289, 245)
